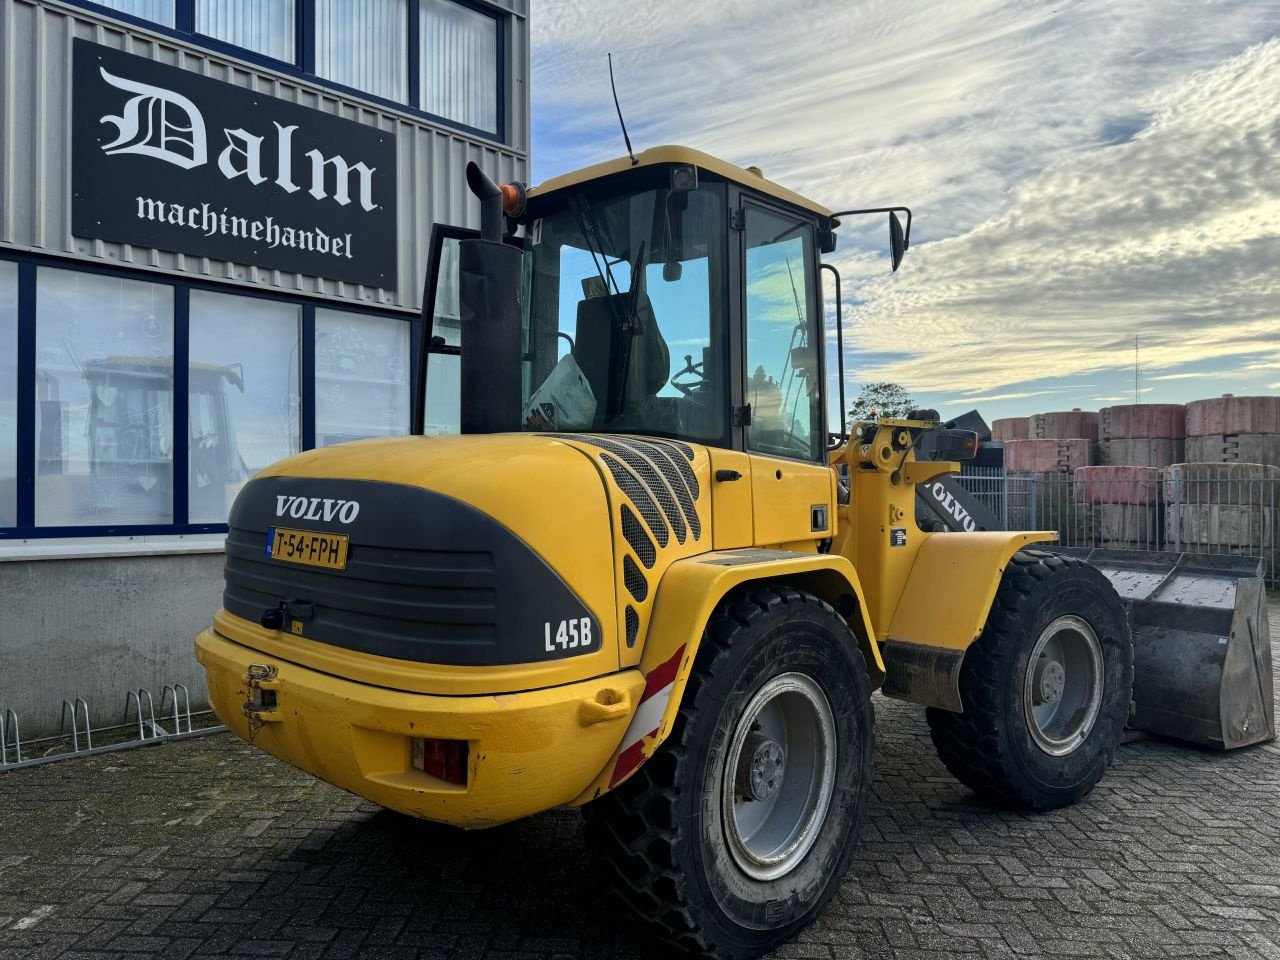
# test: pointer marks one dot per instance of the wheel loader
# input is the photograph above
(644, 579)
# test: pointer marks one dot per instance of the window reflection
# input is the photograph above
(783, 374)
(104, 400)
(362, 377)
(443, 409)
(244, 390)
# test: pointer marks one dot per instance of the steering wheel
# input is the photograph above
(687, 387)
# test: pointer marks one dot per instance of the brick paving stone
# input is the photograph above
(211, 849)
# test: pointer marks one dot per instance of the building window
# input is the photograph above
(362, 377)
(363, 44)
(157, 11)
(244, 392)
(459, 72)
(106, 453)
(8, 394)
(263, 26)
(104, 400)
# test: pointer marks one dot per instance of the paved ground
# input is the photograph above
(211, 848)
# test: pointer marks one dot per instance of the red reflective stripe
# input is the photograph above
(628, 760)
(661, 675)
(657, 680)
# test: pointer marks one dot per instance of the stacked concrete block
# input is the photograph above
(1222, 508)
(1046, 502)
(1011, 428)
(1073, 424)
(1230, 429)
(1047, 456)
(1118, 506)
(1142, 435)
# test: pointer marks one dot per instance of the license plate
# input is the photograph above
(308, 547)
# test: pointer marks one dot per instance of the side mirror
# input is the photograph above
(955, 444)
(897, 242)
(804, 359)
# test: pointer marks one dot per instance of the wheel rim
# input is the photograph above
(779, 776)
(1062, 691)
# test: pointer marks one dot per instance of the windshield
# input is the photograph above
(623, 325)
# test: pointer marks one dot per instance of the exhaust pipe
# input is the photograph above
(491, 392)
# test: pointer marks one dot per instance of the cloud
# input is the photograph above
(996, 397)
(1080, 173)
(1192, 375)
(1171, 235)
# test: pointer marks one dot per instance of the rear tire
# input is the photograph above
(740, 829)
(1045, 688)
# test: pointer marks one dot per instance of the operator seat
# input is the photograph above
(599, 348)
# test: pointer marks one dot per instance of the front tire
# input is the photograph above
(740, 829)
(1045, 688)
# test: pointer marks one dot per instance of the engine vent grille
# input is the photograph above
(655, 475)
(681, 464)
(637, 585)
(636, 492)
(633, 626)
(637, 538)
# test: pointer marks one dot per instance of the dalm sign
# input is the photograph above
(177, 161)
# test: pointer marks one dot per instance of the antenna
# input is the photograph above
(1137, 372)
(622, 123)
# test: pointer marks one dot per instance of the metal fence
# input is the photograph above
(1216, 508)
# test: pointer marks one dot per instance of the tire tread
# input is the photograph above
(652, 887)
(969, 743)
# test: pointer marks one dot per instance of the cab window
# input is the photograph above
(783, 379)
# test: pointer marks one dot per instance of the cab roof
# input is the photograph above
(673, 154)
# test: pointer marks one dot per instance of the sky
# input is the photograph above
(1081, 174)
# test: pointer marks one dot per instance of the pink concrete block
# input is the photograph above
(1142, 421)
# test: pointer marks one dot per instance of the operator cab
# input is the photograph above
(677, 297)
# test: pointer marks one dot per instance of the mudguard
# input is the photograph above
(687, 596)
(943, 608)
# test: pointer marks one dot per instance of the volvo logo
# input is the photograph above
(952, 506)
(317, 508)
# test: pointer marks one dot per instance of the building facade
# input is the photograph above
(214, 224)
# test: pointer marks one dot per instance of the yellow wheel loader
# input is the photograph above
(644, 579)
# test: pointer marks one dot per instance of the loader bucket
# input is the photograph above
(1201, 644)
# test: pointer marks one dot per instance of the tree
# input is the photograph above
(882, 399)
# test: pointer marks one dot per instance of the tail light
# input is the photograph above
(446, 759)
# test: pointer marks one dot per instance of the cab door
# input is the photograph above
(782, 409)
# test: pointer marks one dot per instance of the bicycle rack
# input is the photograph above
(9, 721)
(79, 707)
(181, 708)
(139, 717)
(148, 729)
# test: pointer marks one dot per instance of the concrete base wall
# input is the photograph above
(95, 628)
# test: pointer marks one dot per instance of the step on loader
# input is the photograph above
(645, 579)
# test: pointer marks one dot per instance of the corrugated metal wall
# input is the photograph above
(35, 147)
